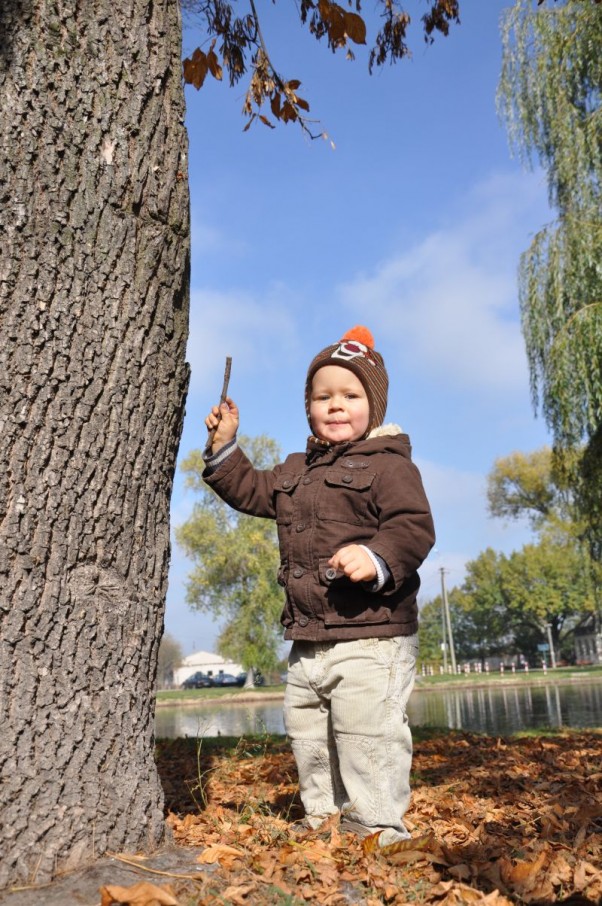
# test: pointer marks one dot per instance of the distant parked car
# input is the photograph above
(198, 680)
(226, 679)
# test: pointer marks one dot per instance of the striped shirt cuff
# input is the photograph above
(214, 460)
(383, 573)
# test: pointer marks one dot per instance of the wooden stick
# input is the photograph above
(222, 398)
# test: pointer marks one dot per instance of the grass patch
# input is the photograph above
(232, 693)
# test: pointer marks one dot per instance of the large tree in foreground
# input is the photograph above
(93, 377)
(551, 96)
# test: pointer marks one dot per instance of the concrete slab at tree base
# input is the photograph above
(81, 887)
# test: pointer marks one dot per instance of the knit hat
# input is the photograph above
(355, 351)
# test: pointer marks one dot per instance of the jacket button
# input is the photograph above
(297, 572)
(286, 483)
(301, 527)
(303, 621)
(347, 479)
(331, 573)
(307, 481)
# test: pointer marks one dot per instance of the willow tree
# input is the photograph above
(93, 302)
(550, 94)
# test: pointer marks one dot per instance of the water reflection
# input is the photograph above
(496, 710)
(508, 709)
(222, 720)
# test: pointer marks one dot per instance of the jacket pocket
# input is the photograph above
(284, 488)
(347, 602)
(345, 496)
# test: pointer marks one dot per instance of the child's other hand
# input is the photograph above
(225, 419)
(355, 563)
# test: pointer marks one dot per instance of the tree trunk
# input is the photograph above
(94, 319)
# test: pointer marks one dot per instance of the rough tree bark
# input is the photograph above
(94, 319)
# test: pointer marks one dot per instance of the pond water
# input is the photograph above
(490, 709)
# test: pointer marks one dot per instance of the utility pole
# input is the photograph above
(443, 635)
(452, 650)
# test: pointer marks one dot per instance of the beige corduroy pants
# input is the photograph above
(345, 713)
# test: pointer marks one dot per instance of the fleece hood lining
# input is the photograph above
(388, 430)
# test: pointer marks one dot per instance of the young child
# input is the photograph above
(353, 525)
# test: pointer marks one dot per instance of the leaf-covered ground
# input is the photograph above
(496, 821)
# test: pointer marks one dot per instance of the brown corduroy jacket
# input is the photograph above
(366, 492)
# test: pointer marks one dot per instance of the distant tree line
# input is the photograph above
(510, 605)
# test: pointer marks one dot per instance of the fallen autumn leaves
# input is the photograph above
(494, 821)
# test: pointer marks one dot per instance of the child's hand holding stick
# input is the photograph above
(223, 399)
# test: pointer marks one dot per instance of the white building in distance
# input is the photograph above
(204, 662)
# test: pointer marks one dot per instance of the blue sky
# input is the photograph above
(413, 225)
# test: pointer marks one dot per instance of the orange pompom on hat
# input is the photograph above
(355, 351)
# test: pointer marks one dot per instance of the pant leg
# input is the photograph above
(308, 724)
(371, 681)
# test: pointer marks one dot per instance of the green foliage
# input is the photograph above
(588, 494)
(545, 486)
(170, 657)
(479, 611)
(236, 561)
(430, 632)
(522, 485)
(545, 583)
(550, 93)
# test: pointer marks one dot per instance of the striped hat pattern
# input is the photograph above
(355, 351)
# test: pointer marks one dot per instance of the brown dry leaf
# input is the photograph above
(222, 853)
(480, 798)
(523, 874)
(238, 894)
(460, 872)
(309, 850)
(462, 894)
(495, 898)
(416, 845)
(588, 878)
(141, 894)
(559, 872)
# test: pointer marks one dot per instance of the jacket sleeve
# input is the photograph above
(406, 532)
(242, 486)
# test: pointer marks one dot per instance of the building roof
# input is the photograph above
(202, 657)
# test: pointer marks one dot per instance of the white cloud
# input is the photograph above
(257, 333)
(451, 299)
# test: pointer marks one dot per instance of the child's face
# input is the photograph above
(339, 409)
